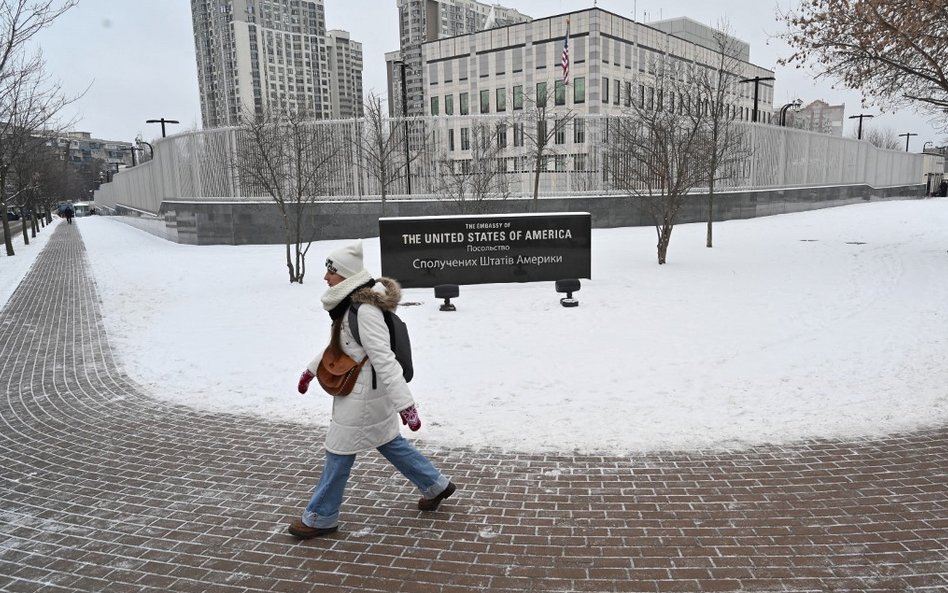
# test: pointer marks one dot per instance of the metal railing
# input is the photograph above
(203, 166)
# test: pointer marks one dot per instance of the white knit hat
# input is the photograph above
(346, 261)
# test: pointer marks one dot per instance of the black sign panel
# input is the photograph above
(432, 250)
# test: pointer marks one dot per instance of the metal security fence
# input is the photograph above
(204, 166)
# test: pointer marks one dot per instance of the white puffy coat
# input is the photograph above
(368, 418)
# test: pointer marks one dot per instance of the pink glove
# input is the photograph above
(410, 417)
(305, 378)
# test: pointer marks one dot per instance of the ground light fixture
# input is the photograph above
(569, 286)
(447, 292)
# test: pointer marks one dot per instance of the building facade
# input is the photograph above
(820, 116)
(421, 21)
(612, 64)
(257, 55)
(345, 69)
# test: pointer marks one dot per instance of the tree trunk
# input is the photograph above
(710, 212)
(664, 238)
(24, 227)
(536, 184)
(289, 263)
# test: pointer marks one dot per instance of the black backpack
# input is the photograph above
(398, 336)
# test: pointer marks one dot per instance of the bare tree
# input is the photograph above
(891, 50)
(28, 106)
(544, 120)
(655, 151)
(20, 20)
(470, 182)
(722, 137)
(27, 102)
(289, 156)
(884, 138)
(384, 145)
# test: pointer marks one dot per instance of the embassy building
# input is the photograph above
(611, 61)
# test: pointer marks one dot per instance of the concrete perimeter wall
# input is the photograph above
(247, 223)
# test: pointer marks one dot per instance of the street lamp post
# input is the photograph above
(132, 149)
(908, 136)
(405, 117)
(860, 117)
(925, 146)
(162, 121)
(151, 149)
(783, 111)
(756, 80)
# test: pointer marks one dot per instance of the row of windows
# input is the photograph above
(526, 164)
(614, 92)
(540, 99)
(500, 137)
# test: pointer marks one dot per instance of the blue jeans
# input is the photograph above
(323, 507)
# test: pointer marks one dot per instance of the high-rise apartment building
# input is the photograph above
(345, 69)
(421, 21)
(257, 55)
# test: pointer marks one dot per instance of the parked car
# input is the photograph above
(11, 215)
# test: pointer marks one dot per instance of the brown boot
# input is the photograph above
(304, 531)
(431, 504)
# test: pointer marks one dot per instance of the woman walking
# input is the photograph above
(367, 418)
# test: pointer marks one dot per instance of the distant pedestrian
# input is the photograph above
(943, 188)
(368, 417)
(68, 212)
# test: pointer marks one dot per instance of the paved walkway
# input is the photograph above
(105, 489)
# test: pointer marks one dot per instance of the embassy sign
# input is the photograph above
(432, 250)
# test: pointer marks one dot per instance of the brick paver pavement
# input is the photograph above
(105, 489)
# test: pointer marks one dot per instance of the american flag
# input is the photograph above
(565, 59)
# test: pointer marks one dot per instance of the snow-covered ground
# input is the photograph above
(831, 323)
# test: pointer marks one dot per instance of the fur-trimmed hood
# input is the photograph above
(386, 300)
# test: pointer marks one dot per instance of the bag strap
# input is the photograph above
(354, 329)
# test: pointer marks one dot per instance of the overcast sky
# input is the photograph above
(134, 59)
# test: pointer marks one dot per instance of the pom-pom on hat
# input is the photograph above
(346, 261)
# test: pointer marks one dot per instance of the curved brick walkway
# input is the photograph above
(104, 489)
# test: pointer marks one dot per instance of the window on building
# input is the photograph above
(615, 91)
(518, 97)
(502, 135)
(500, 62)
(541, 94)
(559, 163)
(579, 131)
(516, 58)
(501, 100)
(451, 140)
(605, 90)
(628, 94)
(485, 101)
(518, 134)
(579, 90)
(464, 106)
(642, 96)
(539, 56)
(465, 139)
(559, 92)
(434, 105)
(559, 132)
(449, 104)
